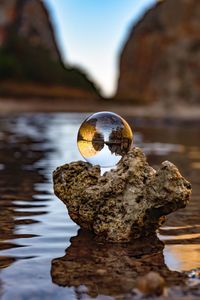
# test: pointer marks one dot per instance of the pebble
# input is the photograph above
(151, 284)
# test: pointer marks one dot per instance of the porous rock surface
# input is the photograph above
(130, 201)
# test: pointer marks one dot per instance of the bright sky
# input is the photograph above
(91, 33)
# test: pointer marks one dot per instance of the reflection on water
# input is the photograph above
(35, 228)
(99, 266)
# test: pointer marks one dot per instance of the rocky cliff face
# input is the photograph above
(29, 52)
(161, 59)
(28, 19)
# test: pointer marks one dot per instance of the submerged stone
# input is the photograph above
(151, 284)
(128, 202)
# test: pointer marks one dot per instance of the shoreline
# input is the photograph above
(156, 111)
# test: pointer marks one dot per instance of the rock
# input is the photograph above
(151, 284)
(28, 19)
(127, 202)
(161, 58)
(27, 35)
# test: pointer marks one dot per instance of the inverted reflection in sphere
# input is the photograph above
(103, 138)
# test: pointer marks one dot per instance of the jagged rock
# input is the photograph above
(127, 202)
(161, 58)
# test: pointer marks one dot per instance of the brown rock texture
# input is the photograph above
(161, 58)
(151, 284)
(128, 202)
(28, 19)
(29, 56)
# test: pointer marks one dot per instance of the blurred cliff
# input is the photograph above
(161, 58)
(159, 66)
(30, 61)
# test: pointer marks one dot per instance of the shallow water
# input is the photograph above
(35, 229)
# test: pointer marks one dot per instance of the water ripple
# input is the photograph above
(36, 229)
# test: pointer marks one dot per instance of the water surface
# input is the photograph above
(37, 258)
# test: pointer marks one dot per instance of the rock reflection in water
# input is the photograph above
(110, 269)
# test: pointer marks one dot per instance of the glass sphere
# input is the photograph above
(103, 138)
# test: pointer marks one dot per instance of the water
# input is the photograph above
(37, 258)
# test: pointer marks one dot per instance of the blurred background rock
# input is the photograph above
(30, 61)
(158, 65)
(161, 58)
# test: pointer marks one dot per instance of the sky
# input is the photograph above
(91, 34)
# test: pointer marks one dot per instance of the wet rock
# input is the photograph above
(127, 202)
(151, 284)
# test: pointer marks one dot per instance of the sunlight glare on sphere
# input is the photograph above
(103, 138)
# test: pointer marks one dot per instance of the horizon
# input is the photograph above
(82, 34)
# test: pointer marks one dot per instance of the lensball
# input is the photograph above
(103, 138)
